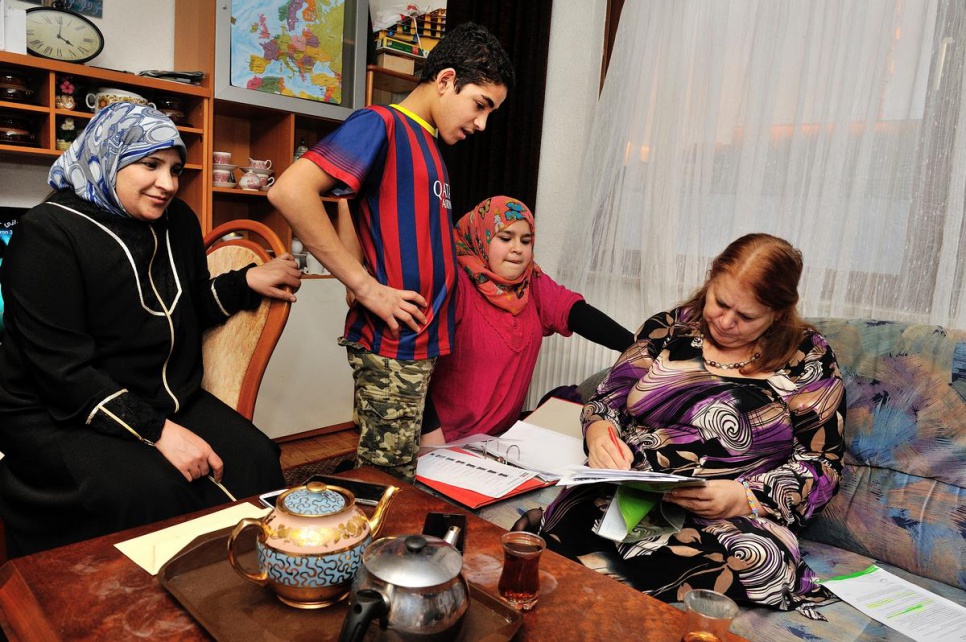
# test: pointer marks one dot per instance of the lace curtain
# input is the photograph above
(832, 124)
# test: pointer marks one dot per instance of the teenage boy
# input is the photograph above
(393, 247)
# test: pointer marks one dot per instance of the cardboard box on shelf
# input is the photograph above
(396, 63)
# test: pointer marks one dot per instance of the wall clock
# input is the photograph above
(58, 34)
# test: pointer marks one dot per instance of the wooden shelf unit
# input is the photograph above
(46, 117)
(384, 86)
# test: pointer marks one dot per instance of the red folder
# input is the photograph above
(473, 499)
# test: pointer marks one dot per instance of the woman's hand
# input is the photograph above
(270, 278)
(720, 499)
(605, 449)
(189, 453)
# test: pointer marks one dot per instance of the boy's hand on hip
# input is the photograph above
(392, 306)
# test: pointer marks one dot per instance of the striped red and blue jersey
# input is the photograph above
(402, 215)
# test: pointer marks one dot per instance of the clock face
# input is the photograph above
(62, 35)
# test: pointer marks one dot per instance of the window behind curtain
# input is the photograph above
(832, 124)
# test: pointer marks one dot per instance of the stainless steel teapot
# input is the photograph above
(413, 586)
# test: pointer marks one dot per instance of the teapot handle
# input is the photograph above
(366, 605)
(262, 577)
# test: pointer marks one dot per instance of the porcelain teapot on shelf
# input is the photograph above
(250, 181)
(413, 585)
(310, 547)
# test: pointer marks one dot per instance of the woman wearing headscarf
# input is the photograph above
(505, 306)
(103, 422)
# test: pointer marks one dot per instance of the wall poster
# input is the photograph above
(288, 47)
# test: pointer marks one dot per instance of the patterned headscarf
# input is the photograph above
(474, 231)
(118, 135)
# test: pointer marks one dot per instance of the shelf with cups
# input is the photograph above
(36, 95)
(252, 143)
(45, 103)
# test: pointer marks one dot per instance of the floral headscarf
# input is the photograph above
(118, 135)
(474, 231)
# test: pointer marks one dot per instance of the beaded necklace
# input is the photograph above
(731, 366)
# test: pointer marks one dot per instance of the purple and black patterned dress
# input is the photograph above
(781, 434)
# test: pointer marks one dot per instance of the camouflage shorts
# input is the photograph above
(389, 398)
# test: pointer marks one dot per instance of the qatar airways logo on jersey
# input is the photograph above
(442, 193)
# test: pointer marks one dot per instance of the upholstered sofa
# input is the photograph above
(901, 503)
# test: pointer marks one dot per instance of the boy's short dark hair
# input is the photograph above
(475, 54)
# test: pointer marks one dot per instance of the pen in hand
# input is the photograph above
(617, 444)
(613, 437)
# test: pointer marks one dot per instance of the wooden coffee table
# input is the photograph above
(91, 591)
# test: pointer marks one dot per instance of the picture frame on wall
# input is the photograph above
(310, 60)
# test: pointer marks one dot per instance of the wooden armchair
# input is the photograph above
(237, 353)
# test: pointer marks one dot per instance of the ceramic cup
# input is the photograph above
(222, 176)
(107, 95)
(259, 164)
(266, 181)
(221, 158)
(312, 265)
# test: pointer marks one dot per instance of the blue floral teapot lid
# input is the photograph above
(315, 499)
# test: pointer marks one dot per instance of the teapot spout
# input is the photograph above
(452, 536)
(378, 516)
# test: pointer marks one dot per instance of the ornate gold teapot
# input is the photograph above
(310, 547)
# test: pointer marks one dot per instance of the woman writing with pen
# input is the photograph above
(733, 387)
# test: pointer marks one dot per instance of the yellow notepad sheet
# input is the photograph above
(151, 551)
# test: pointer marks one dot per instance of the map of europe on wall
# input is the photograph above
(288, 47)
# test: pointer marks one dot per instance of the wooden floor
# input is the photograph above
(302, 453)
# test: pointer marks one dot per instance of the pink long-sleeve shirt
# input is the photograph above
(481, 386)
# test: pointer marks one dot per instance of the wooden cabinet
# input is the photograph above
(43, 117)
(254, 132)
(385, 86)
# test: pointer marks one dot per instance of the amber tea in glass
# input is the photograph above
(520, 581)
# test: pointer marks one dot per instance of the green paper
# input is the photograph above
(634, 504)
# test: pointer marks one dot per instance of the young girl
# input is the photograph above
(505, 306)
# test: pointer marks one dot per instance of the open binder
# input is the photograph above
(546, 452)
(545, 445)
(471, 498)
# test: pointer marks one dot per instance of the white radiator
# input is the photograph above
(564, 361)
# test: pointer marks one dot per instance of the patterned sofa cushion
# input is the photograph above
(902, 498)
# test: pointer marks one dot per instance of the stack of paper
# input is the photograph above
(900, 604)
(642, 479)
